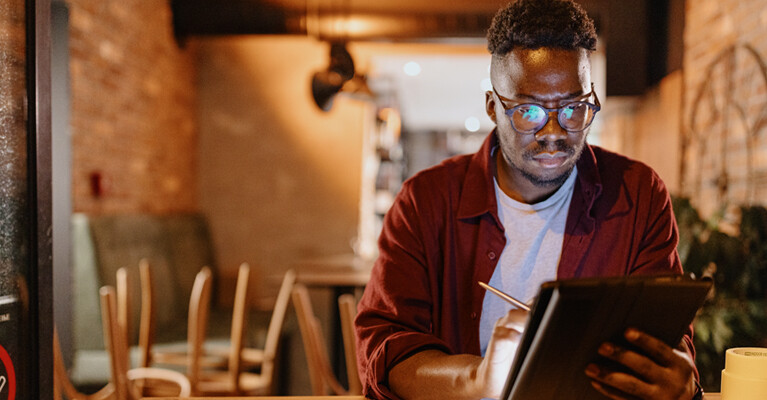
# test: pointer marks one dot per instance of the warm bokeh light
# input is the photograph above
(472, 124)
(486, 85)
(412, 68)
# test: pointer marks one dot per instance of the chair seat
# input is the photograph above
(181, 358)
(250, 357)
(216, 355)
(218, 384)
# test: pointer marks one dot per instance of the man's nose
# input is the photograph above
(552, 131)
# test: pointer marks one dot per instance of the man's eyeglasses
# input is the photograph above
(529, 118)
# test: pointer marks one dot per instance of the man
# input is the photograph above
(535, 203)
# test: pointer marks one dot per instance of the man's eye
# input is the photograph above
(532, 114)
(568, 111)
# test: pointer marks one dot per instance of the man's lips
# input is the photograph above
(551, 160)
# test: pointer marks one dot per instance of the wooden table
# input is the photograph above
(341, 271)
(262, 398)
(708, 396)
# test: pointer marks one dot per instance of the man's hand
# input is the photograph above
(662, 373)
(432, 374)
(495, 366)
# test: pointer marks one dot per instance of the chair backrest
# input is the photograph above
(147, 320)
(276, 322)
(115, 342)
(122, 301)
(199, 307)
(122, 375)
(347, 305)
(62, 386)
(239, 320)
(320, 372)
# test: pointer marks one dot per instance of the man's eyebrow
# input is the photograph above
(569, 96)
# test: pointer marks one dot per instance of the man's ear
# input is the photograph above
(490, 106)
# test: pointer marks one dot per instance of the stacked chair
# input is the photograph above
(129, 382)
(195, 371)
(63, 387)
(323, 380)
(227, 371)
(347, 305)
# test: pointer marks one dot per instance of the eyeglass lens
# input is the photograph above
(530, 118)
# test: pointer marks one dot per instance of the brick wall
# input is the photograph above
(647, 128)
(725, 106)
(133, 109)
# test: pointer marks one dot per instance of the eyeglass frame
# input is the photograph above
(595, 107)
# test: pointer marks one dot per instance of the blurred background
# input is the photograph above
(289, 126)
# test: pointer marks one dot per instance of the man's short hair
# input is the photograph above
(533, 24)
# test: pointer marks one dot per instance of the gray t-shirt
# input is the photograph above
(534, 234)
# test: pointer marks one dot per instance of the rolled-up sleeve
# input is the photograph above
(658, 247)
(394, 317)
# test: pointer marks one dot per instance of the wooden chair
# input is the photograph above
(193, 358)
(146, 319)
(347, 305)
(123, 377)
(63, 387)
(264, 359)
(199, 305)
(235, 380)
(227, 381)
(199, 301)
(122, 302)
(321, 375)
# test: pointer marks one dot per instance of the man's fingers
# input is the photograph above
(655, 370)
(514, 319)
(618, 385)
(610, 392)
(640, 364)
(654, 348)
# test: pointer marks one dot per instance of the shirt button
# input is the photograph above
(491, 255)
(473, 315)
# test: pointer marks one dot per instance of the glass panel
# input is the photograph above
(14, 246)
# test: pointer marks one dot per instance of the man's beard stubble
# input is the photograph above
(558, 146)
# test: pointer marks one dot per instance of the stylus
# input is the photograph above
(505, 296)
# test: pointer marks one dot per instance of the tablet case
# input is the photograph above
(572, 318)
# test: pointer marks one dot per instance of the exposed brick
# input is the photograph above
(738, 91)
(133, 108)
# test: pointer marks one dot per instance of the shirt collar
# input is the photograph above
(589, 178)
(478, 194)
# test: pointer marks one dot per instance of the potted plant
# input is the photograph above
(731, 248)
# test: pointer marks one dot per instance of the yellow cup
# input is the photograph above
(744, 376)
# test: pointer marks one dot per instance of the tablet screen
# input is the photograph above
(572, 318)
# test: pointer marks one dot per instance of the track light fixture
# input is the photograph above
(326, 84)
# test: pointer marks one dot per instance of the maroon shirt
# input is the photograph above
(442, 235)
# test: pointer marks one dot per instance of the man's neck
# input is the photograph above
(517, 186)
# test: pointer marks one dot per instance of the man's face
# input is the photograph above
(535, 165)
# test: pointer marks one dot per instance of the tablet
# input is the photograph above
(572, 318)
